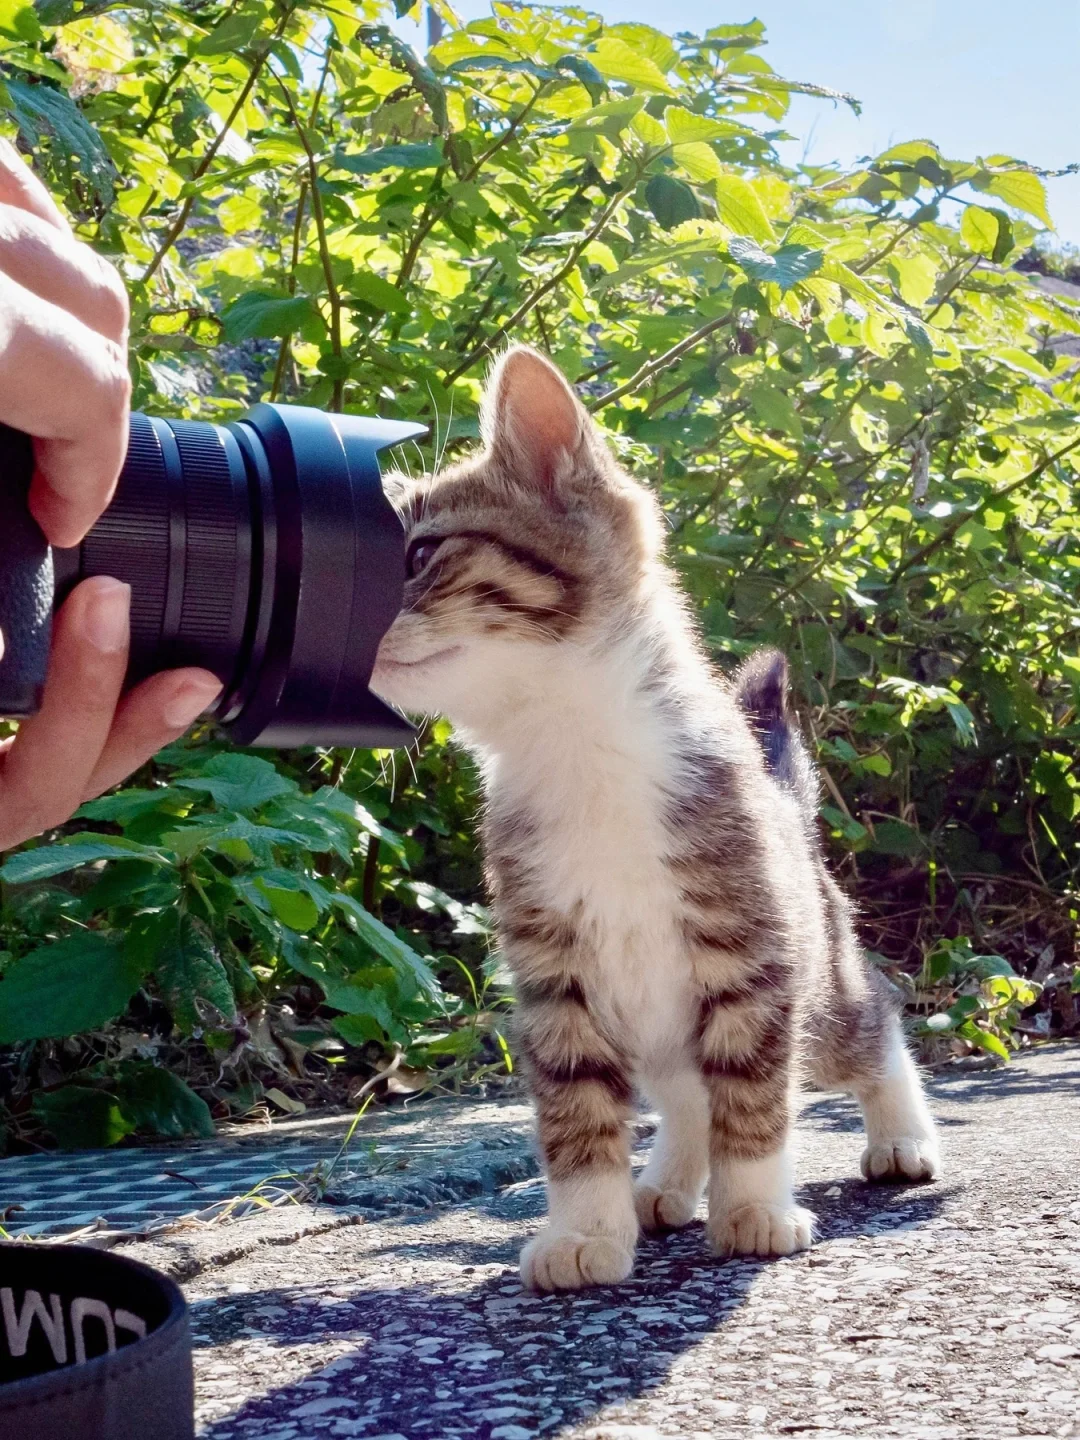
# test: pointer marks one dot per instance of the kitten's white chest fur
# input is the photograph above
(593, 789)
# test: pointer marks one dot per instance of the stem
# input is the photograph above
(286, 340)
(166, 91)
(432, 214)
(332, 293)
(948, 531)
(546, 288)
(371, 876)
(662, 362)
(176, 228)
(842, 544)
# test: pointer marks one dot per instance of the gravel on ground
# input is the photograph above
(936, 1312)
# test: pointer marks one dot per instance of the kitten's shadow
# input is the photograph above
(441, 1362)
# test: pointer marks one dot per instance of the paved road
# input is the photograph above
(935, 1313)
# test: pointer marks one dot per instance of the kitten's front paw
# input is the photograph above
(906, 1160)
(570, 1261)
(663, 1209)
(761, 1230)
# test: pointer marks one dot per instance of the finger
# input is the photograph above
(47, 769)
(154, 714)
(54, 265)
(69, 387)
(20, 186)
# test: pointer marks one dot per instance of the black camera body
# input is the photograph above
(263, 550)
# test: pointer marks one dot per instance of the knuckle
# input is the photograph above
(112, 299)
(114, 385)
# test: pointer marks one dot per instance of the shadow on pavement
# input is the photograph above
(489, 1362)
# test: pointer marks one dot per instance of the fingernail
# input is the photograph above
(193, 697)
(105, 622)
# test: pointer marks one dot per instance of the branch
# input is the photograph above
(176, 228)
(662, 362)
(842, 544)
(332, 293)
(544, 289)
(958, 521)
(432, 215)
(286, 340)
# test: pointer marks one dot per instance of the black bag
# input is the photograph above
(92, 1347)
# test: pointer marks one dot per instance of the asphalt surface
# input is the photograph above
(929, 1313)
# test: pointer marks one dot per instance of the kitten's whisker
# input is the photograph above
(446, 435)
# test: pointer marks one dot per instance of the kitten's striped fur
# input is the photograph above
(658, 884)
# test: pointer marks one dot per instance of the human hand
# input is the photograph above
(64, 381)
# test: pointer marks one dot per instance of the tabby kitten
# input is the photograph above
(650, 836)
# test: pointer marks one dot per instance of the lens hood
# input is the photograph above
(93, 1346)
(332, 573)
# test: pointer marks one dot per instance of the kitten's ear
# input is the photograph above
(531, 419)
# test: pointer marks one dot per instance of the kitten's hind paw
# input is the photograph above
(761, 1230)
(903, 1161)
(570, 1261)
(663, 1209)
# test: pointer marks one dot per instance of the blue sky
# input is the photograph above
(979, 77)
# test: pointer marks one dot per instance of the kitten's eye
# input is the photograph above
(420, 556)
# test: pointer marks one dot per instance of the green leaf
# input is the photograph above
(785, 267)
(239, 782)
(588, 74)
(359, 1029)
(79, 1118)
(671, 201)
(699, 162)
(194, 983)
(65, 988)
(233, 33)
(615, 60)
(367, 1000)
(55, 12)
(739, 207)
(1022, 190)
(157, 1102)
(981, 231)
(386, 944)
(871, 431)
(892, 837)
(983, 1039)
(464, 1042)
(294, 908)
(19, 20)
(775, 409)
(389, 157)
(266, 314)
(684, 127)
(373, 290)
(242, 839)
(502, 62)
(50, 122)
(296, 900)
(49, 860)
(123, 806)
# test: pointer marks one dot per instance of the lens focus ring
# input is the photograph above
(217, 530)
(131, 541)
(212, 530)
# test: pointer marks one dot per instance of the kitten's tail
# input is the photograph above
(761, 688)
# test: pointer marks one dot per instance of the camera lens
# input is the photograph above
(265, 551)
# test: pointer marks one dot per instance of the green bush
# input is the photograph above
(866, 445)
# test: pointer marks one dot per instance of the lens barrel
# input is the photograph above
(265, 551)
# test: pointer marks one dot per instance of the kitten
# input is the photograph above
(658, 884)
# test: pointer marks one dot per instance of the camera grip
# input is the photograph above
(26, 583)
